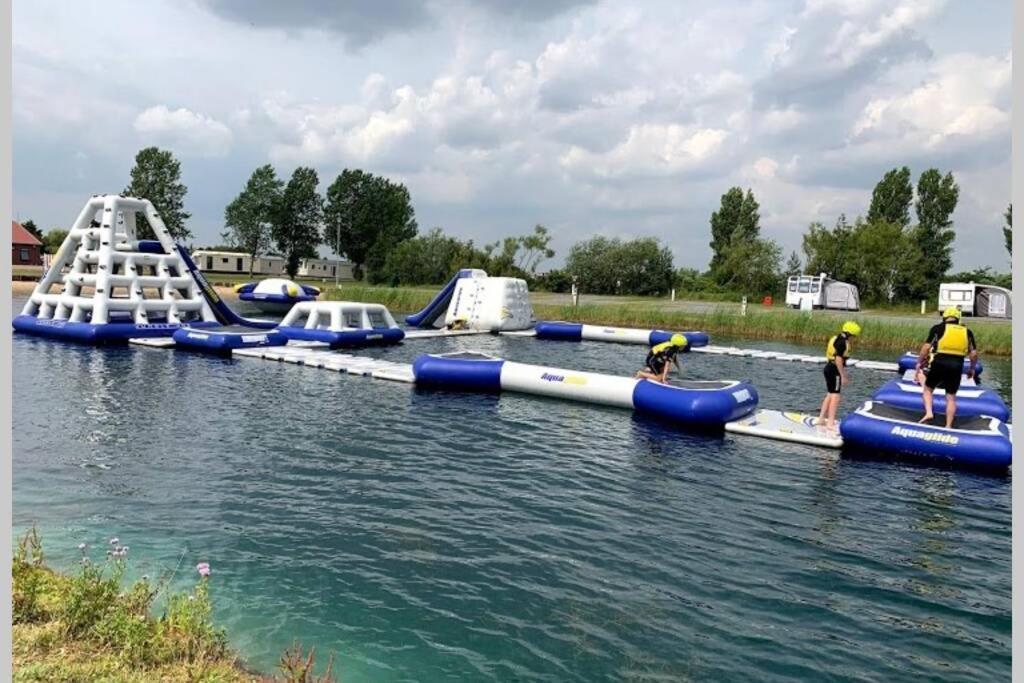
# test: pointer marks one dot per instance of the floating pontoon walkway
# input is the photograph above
(330, 360)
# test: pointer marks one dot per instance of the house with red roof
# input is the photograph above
(26, 250)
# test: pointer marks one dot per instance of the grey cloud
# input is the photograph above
(358, 22)
(531, 10)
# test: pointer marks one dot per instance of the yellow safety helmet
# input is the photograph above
(951, 312)
(851, 328)
(678, 340)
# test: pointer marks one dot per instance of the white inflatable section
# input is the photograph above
(623, 335)
(338, 316)
(100, 270)
(568, 384)
(491, 304)
(277, 285)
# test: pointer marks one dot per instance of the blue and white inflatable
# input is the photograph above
(908, 361)
(341, 324)
(275, 295)
(977, 441)
(566, 331)
(970, 400)
(692, 404)
(223, 340)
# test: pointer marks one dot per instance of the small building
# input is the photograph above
(820, 291)
(211, 261)
(977, 299)
(26, 250)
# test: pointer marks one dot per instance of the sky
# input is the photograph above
(593, 118)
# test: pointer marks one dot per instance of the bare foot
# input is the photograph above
(926, 419)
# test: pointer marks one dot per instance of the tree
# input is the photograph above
(156, 176)
(53, 239)
(750, 266)
(829, 251)
(535, 248)
(892, 197)
(736, 219)
(366, 216)
(1008, 229)
(882, 257)
(250, 216)
(794, 266)
(428, 259)
(937, 197)
(30, 225)
(297, 221)
(643, 266)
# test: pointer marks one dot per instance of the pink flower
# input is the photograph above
(203, 568)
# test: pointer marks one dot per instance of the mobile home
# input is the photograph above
(820, 291)
(972, 298)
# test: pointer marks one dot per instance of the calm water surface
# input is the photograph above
(436, 536)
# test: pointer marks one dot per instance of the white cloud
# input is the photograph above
(649, 150)
(185, 131)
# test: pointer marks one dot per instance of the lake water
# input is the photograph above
(437, 536)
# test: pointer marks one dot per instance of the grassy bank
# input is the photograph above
(93, 625)
(882, 331)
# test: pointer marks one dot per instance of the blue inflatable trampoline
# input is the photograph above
(344, 338)
(974, 441)
(223, 340)
(908, 361)
(970, 400)
(695, 404)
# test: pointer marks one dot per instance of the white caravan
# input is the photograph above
(987, 301)
(820, 291)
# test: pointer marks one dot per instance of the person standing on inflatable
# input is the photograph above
(951, 342)
(837, 351)
(661, 357)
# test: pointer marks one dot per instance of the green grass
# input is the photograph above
(92, 625)
(882, 330)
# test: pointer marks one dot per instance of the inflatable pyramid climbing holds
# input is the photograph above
(106, 286)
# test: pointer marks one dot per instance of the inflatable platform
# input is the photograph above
(566, 331)
(341, 324)
(275, 295)
(970, 399)
(786, 426)
(474, 301)
(908, 361)
(977, 441)
(224, 340)
(685, 403)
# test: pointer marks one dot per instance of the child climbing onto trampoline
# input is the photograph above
(660, 357)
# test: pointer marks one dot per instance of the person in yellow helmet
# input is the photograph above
(950, 342)
(661, 357)
(837, 351)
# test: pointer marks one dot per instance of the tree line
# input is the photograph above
(899, 250)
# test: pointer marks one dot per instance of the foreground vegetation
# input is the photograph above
(92, 625)
(881, 330)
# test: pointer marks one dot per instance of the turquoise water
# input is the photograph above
(436, 536)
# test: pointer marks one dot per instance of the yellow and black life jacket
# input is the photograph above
(954, 340)
(661, 348)
(830, 349)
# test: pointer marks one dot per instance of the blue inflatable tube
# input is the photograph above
(284, 299)
(345, 338)
(87, 333)
(979, 442)
(969, 400)
(567, 331)
(224, 340)
(908, 361)
(693, 404)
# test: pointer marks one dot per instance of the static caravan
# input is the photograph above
(820, 291)
(981, 300)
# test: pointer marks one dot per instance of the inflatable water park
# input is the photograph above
(107, 286)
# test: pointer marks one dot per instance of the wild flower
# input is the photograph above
(115, 540)
(82, 547)
(204, 569)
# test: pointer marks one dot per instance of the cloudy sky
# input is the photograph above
(592, 118)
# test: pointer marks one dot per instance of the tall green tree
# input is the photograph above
(299, 218)
(794, 266)
(1008, 229)
(250, 216)
(365, 217)
(829, 250)
(642, 266)
(753, 267)
(892, 198)
(156, 176)
(937, 197)
(53, 239)
(882, 257)
(737, 219)
(535, 247)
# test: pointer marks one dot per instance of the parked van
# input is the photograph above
(820, 291)
(981, 300)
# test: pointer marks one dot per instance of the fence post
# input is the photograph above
(743, 306)
(673, 294)
(924, 304)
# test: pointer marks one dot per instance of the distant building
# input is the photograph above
(210, 261)
(26, 250)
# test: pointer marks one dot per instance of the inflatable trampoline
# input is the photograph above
(908, 361)
(688, 403)
(341, 324)
(970, 400)
(223, 340)
(566, 331)
(275, 295)
(976, 441)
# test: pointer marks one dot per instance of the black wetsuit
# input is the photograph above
(833, 380)
(657, 360)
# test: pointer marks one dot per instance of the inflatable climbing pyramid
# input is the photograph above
(106, 286)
